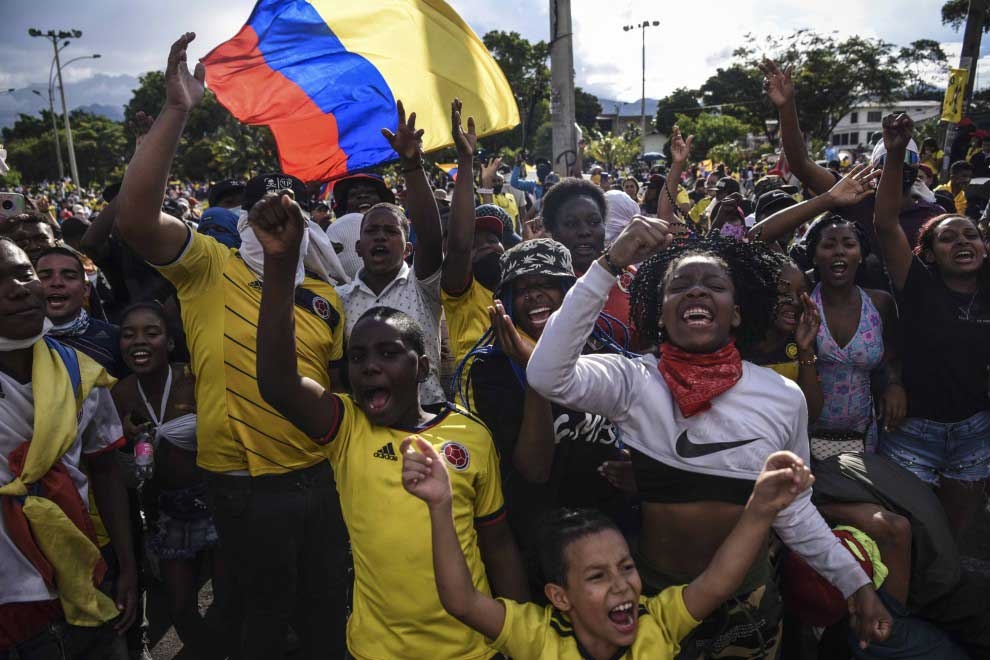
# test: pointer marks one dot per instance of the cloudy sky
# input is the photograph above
(693, 39)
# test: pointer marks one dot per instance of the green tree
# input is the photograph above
(681, 101)
(615, 151)
(738, 91)
(831, 75)
(99, 144)
(214, 144)
(710, 130)
(923, 59)
(525, 67)
(954, 13)
(586, 108)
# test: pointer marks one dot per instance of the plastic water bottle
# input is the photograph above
(144, 456)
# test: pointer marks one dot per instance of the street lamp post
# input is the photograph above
(55, 37)
(642, 102)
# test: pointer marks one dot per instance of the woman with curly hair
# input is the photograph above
(942, 293)
(699, 421)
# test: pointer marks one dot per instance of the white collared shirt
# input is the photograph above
(419, 298)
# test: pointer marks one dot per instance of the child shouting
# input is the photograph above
(593, 586)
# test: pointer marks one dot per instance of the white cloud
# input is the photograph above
(692, 40)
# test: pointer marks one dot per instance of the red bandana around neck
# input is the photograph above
(696, 378)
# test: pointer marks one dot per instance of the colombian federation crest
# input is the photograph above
(456, 455)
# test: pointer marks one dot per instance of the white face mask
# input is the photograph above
(18, 344)
(253, 254)
(920, 191)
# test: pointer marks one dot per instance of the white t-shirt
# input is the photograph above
(418, 298)
(762, 413)
(99, 431)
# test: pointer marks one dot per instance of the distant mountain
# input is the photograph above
(101, 94)
(114, 112)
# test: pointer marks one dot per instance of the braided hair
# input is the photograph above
(752, 267)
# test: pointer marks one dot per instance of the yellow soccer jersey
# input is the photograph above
(467, 317)
(532, 632)
(397, 612)
(220, 297)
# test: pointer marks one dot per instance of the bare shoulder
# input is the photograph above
(882, 300)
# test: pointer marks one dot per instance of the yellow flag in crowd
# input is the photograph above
(955, 96)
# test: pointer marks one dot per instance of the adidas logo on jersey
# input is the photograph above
(387, 452)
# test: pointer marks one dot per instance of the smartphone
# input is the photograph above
(11, 204)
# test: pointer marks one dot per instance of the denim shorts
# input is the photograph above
(958, 451)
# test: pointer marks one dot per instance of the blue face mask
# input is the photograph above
(221, 224)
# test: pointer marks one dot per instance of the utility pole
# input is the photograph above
(55, 37)
(562, 87)
(968, 57)
(642, 99)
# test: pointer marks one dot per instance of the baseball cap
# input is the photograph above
(728, 185)
(880, 154)
(491, 218)
(771, 202)
(263, 184)
(221, 189)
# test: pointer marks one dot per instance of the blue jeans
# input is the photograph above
(958, 450)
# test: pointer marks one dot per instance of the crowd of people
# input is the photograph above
(674, 414)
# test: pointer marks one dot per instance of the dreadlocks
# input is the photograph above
(753, 268)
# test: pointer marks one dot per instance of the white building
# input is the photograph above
(863, 125)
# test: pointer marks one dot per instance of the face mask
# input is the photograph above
(920, 191)
(909, 176)
(18, 344)
(254, 255)
(487, 270)
(733, 231)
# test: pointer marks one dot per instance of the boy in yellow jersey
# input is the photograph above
(396, 612)
(270, 489)
(596, 609)
(470, 269)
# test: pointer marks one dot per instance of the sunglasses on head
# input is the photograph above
(910, 158)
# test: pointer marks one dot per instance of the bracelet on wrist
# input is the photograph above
(485, 191)
(609, 264)
(808, 362)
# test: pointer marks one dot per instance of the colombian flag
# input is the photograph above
(324, 76)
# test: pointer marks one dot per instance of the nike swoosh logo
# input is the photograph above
(687, 449)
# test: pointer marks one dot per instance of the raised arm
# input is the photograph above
(806, 338)
(278, 223)
(424, 214)
(680, 149)
(593, 383)
(95, 242)
(156, 236)
(784, 476)
(456, 275)
(851, 189)
(897, 254)
(424, 475)
(780, 90)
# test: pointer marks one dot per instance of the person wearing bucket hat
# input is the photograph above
(474, 245)
(551, 456)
